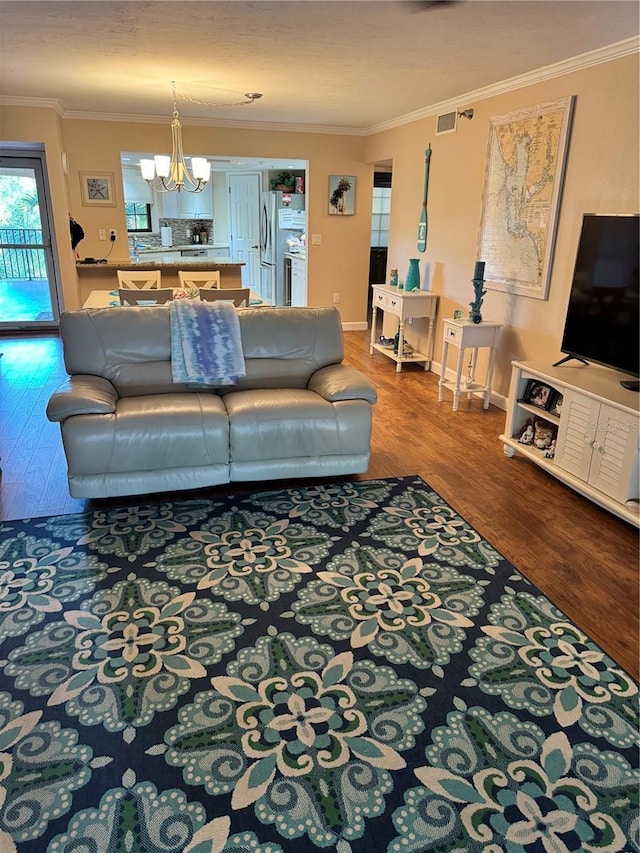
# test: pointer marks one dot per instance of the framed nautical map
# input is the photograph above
(526, 158)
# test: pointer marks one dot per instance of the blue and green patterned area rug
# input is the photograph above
(345, 667)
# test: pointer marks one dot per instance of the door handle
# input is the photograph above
(254, 247)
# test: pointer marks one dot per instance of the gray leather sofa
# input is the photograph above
(127, 428)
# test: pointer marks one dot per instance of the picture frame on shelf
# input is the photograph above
(525, 436)
(97, 189)
(555, 405)
(342, 195)
(538, 394)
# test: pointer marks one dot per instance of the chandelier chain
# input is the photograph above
(251, 98)
(215, 104)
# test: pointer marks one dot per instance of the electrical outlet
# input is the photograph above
(316, 239)
(112, 234)
(102, 234)
(336, 297)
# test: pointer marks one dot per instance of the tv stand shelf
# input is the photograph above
(597, 445)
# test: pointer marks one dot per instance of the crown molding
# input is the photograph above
(38, 103)
(599, 56)
(285, 127)
(557, 69)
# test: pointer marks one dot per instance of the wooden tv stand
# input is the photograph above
(597, 449)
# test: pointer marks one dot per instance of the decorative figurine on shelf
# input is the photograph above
(478, 282)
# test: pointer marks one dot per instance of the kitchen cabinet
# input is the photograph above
(197, 205)
(298, 282)
(218, 252)
(185, 205)
(596, 451)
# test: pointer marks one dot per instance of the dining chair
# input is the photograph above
(199, 278)
(238, 295)
(159, 296)
(144, 280)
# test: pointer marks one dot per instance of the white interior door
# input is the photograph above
(244, 223)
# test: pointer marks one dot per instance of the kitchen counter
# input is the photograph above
(197, 262)
(293, 255)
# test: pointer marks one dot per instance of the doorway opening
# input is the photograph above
(28, 285)
(380, 216)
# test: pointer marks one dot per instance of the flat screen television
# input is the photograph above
(603, 323)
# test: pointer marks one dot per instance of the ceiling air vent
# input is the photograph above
(447, 123)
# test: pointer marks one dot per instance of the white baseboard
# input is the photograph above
(355, 327)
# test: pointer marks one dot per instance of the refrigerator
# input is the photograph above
(279, 220)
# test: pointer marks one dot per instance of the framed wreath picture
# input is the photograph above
(342, 195)
(538, 394)
(97, 188)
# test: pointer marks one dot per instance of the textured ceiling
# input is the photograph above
(339, 64)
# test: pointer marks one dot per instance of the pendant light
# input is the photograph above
(171, 174)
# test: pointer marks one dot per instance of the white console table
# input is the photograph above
(597, 446)
(465, 334)
(405, 305)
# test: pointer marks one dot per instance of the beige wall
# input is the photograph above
(602, 176)
(36, 126)
(339, 264)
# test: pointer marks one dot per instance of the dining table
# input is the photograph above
(110, 299)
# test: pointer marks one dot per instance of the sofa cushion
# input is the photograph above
(147, 433)
(283, 423)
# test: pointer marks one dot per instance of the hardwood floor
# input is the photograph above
(583, 558)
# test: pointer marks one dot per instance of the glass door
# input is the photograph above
(28, 293)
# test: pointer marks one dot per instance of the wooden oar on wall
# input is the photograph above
(423, 224)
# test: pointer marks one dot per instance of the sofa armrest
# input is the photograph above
(82, 395)
(341, 382)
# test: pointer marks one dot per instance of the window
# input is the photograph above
(138, 215)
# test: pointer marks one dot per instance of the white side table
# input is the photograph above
(405, 305)
(465, 334)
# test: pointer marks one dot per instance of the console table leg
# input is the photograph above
(400, 346)
(430, 333)
(374, 311)
(456, 391)
(443, 370)
(492, 362)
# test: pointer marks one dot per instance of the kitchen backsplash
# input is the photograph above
(181, 233)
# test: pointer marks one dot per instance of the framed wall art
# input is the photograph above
(97, 188)
(342, 195)
(526, 158)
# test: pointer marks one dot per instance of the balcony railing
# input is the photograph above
(22, 253)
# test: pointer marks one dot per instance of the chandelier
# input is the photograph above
(171, 174)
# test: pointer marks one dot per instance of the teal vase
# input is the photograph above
(412, 281)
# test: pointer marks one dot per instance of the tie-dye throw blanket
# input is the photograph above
(206, 346)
